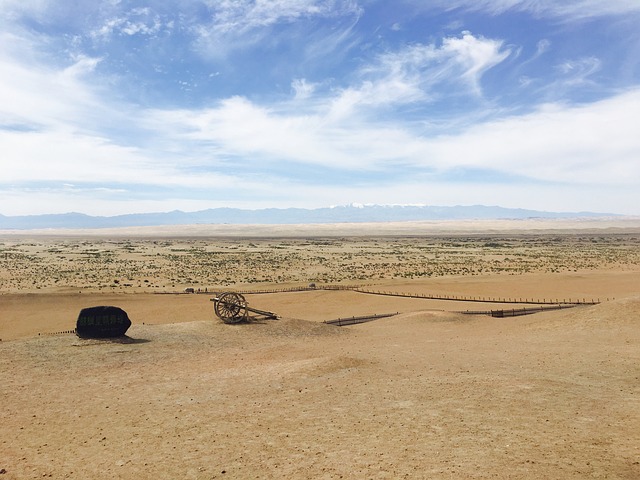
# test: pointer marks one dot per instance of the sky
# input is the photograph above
(121, 106)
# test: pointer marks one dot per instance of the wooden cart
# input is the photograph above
(231, 307)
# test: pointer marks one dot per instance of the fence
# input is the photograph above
(516, 312)
(451, 298)
(64, 332)
(340, 322)
(301, 289)
(457, 298)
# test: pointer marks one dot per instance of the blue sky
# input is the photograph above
(112, 107)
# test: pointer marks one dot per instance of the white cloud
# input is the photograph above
(413, 73)
(37, 95)
(475, 55)
(567, 9)
(577, 72)
(542, 47)
(65, 157)
(238, 24)
(242, 15)
(137, 21)
(302, 88)
(577, 159)
(16, 8)
(38, 164)
(239, 128)
(594, 144)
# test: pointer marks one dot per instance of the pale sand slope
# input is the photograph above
(421, 395)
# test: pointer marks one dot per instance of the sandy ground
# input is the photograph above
(30, 314)
(427, 393)
(444, 227)
(420, 395)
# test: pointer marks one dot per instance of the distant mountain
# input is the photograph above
(340, 214)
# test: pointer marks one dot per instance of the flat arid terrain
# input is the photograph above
(430, 391)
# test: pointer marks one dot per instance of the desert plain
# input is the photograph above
(428, 392)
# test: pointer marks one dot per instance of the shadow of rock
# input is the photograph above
(127, 340)
(122, 340)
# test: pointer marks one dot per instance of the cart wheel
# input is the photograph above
(231, 307)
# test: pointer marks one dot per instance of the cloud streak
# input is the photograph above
(586, 144)
(238, 25)
(569, 9)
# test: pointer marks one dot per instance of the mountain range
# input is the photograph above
(339, 214)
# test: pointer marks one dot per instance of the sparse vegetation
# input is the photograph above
(175, 264)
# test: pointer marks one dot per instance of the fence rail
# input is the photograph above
(63, 332)
(340, 322)
(516, 312)
(459, 298)
(426, 296)
(300, 289)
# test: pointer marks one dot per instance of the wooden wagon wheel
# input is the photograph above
(231, 307)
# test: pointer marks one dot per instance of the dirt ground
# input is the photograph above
(426, 393)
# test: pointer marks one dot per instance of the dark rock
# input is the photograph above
(102, 322)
